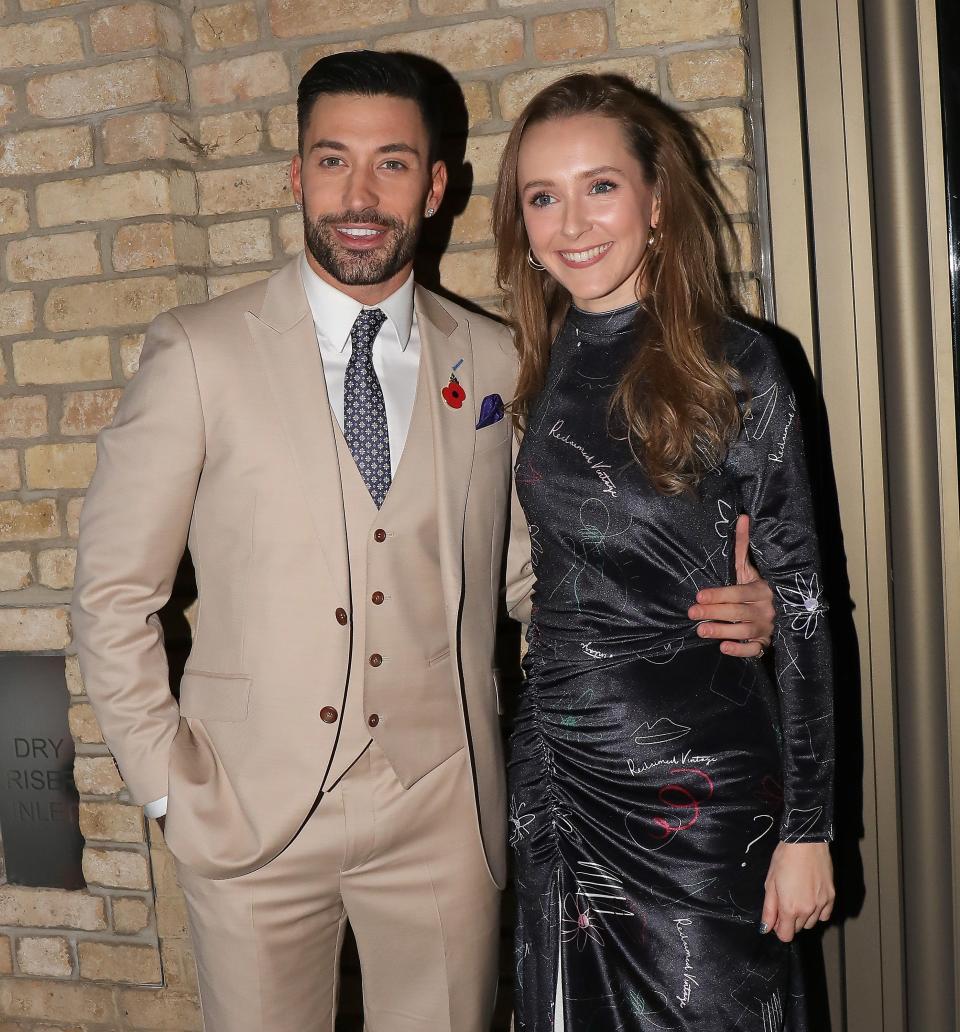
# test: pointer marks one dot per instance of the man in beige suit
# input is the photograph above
(330, 443)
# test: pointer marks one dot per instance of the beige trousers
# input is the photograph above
(404, 867)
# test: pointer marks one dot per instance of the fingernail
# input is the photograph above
(695, 612)
(764, 928)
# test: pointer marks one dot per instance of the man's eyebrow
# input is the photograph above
(388, 148)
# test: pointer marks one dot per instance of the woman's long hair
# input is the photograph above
(676, 404)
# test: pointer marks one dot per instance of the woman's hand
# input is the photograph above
(799, 888)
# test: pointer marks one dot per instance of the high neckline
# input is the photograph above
(603, 324)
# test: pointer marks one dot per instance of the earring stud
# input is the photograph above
(431, 212)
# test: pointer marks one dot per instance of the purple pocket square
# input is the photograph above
(491, 411)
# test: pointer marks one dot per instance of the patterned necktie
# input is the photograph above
(364, 411)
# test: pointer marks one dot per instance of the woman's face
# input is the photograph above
(587, 207)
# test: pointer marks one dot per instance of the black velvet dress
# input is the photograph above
(650, 775)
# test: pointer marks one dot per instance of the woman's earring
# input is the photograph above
(652, 239)
(532, 261)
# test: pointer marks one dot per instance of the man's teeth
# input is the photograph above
(361, 232)
(585, 256)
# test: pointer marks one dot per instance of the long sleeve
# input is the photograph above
(519, 575)
(133, 530)
(768, 459)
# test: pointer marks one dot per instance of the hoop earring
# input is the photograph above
(533, 263)
(652, 239)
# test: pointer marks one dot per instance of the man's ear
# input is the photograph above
(438, 185)
(296, 165)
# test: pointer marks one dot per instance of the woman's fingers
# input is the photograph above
(743, 649)
(770, 913)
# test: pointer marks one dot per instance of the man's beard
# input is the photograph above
(360, 268)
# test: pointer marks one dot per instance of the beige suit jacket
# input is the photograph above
(224, 441)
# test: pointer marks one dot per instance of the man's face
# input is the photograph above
(365, 181)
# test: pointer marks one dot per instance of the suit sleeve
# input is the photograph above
(133, 531)
(775, 492)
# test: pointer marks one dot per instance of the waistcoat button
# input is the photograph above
(341, 615)
(377, 598)
(373, 720)
(376, 659)
(328, 715)
(379, 535)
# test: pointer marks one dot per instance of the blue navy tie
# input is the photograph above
(364, 411)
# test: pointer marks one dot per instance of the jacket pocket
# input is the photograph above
(209, 696)
(439, 657)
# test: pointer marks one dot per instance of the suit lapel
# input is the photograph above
(286, 340)
(444, 343)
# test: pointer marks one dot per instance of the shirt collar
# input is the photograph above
(335, 312)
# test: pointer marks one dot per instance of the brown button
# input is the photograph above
(376, 659)
(341, 616)
(328, 715)
(379, 535)
(377, 598)
(373, 720)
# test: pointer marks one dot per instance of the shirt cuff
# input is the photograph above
(158, 808)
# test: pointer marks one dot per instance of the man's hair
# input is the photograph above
(369, 73)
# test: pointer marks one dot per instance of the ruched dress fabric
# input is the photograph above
(651, 776)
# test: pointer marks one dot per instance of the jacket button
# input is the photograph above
(376, 659)
(341, 615)
(328, 715)
(379, 535)
(377, 598)
(373, 720)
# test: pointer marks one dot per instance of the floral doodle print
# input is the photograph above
(650, 775)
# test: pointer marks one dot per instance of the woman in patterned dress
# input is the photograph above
(670, 806)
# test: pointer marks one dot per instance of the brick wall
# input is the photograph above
(143, 157)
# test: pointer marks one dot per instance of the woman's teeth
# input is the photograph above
(585, 256)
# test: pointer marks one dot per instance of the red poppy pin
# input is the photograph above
(453, 394)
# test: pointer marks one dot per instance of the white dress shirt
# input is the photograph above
(396, 359)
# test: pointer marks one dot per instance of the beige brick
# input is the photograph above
(231, 134)
(240, 243)
(291, 232)
(105, 962)
(520, 87)
(46, 150)
(643, 22)
(121, 195)
(116, 868)
(71, 1002)
(83, 721)
(97, 775)
(29, 630)
(53, 257)
(439, 8)
(135, 26)
(161, 863)
(282, 127)
(9, 470)
(483, 154)
(130, 915)
(59, 465)
(43, 5)
(466, 47)
(55, 568)
(149, 1010)
(130, 348)
(239, 79)
(172, 917)
(49, 42)
(47, 956)
(250, 188)
(107, 87)
(143, 246)
(109, 822)
(216, 28)
(6, 955)
(23, 416)
(217, 285)
(51, 908)
(115, 302)
(725, 129)
(18, 312)
(14, 570)
(88, 412)
(179, 965)
(315, 17)
(744, 258)
(72, 673)
(28, 521)
(74, 360)
(570, 35)
(148, 134)
(14, 217)
(469, 274)
(707, 74)
(310, 56)
(8, 103)
(736, 183)
(479, 105)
